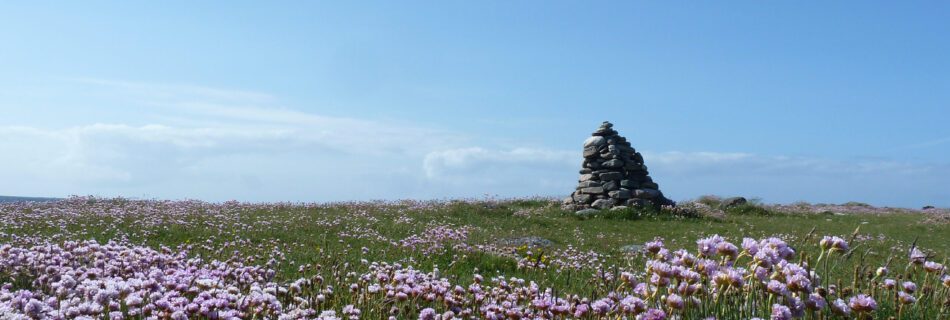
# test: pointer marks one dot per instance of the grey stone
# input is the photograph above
(619, 194)
(618, 208)
(568, 200)
(593, 190)
(611, 185)
(585, 171)
(603, 203)
(630, 184)
(586, 177)
(732, 202)
(633, 248)
(645, 193)
(586, 212)
(613, 163)
(587, 184)
(581, 198)
(595, 141)
(649, 185)
(531, 241)
(590, 152)
(606, 176)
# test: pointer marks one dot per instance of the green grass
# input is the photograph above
(303, 237)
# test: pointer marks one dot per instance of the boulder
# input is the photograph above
(619, 194)
(593, 190)
(645, 193)
(603, 203)
(610, 176)
(586, 212)
(587, 184)
(527, 241)
(590, 152)
(615, 163)
(595, 141)
(732, 202)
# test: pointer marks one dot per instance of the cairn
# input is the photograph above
(613, 174)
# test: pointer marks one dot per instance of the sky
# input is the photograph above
(338, 101)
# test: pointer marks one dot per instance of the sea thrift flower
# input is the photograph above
(862, 303)
(933, 267)
(882, 271)
(427, 314)
(840, 308)
(727, 249)
(890, 284)
(750, 245)
(834, 244)
(780, 312)
(675, 302)
(815, 302)
(632, 305)
(909, 287)
(906, 298)
(777, 288)
(601, 307)
(654, 246)
(653, 314)
(707, 246)
(917, 257)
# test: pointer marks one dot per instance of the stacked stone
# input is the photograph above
(613, 174)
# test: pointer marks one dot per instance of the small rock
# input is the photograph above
(732, 202)
(611, 185)
(581, 198)
(618, 208)
(588, 184)
(586, 177)
(595, 141)
(619, 194)
(590, 152)
(645, 193)
(593, 190)
(527, 241)
(603, 203)
(633, 248)
(587, 212)
(611, 176)
(649, 185)
(613, 163)
(629, 184)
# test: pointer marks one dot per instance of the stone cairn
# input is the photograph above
(613, 174)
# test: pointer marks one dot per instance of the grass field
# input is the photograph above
(521, 241)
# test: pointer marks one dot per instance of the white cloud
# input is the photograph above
(221, 140)
(474, 161)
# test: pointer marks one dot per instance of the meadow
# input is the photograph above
(97, 258)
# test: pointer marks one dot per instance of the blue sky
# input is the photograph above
(308, 101)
